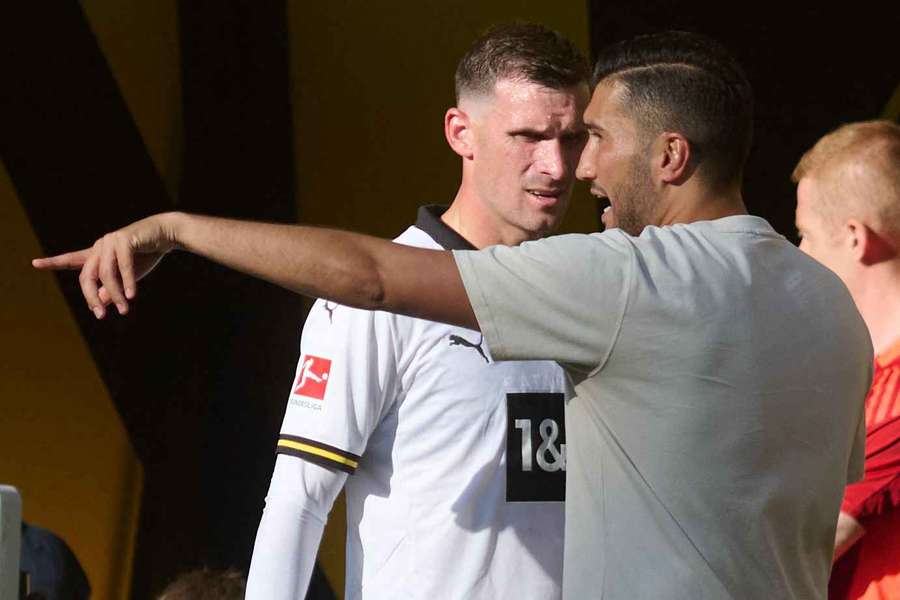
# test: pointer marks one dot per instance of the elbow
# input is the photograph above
(358, 285)
(373, 294)
(369, 288)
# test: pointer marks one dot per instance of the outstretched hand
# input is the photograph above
(111, 268)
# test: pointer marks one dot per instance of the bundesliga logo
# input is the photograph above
(313, 377)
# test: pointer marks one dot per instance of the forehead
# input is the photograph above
(605, 109)
(527, 100)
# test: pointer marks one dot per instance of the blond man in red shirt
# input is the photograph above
(848, 217)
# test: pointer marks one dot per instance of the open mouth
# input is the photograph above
(607, 214)
(546, 197)
(546, 193)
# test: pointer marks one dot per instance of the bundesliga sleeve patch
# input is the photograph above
(318, 453)
(313, 377)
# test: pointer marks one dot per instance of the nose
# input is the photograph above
(585, 170)
(551, 160)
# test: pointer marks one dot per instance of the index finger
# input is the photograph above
(69, 260)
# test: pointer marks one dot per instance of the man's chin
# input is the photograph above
(543, 227)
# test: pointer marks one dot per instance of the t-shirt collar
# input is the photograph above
(745, 224)
(428, 220)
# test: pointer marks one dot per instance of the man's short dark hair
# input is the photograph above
(690, 84)
(520, 51)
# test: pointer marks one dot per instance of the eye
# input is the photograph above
(575, 138)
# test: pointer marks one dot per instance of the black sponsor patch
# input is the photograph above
(535, 447)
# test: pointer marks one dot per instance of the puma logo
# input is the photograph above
(456, 340)
(330, 310)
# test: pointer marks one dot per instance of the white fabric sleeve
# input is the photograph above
(562, 298)
(300, 497)
(344, 384)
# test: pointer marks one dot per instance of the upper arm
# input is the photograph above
(346, 379)
(426, 284)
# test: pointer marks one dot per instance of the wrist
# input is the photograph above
(175, 226)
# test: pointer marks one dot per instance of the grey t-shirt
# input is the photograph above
(720, 376)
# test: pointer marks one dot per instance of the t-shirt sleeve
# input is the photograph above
(562, 298)
(879, 489)
(344, 384)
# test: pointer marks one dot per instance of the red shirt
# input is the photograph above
(871, 568)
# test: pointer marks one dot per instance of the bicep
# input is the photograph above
(425, 284)
(346, 380)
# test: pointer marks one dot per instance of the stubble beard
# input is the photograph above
(636, 199)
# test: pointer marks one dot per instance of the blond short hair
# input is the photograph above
(857, 170)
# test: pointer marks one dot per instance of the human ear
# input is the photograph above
(458, 131)
(674, 157)
(867, 245)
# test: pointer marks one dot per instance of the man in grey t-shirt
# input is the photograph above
(719, 372)
(718, 407)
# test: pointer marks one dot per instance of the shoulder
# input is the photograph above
(572, 248)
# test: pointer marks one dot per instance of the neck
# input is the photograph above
(878, 300)
(693, 201)
(469, 218)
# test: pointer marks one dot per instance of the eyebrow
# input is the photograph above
(545, 132)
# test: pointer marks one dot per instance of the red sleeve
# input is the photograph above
(880, 488)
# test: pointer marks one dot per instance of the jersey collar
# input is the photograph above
(429, 220)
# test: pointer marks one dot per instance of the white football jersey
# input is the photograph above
(457, 463)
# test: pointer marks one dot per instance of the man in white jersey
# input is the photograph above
(720, 373)
(415, 412)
